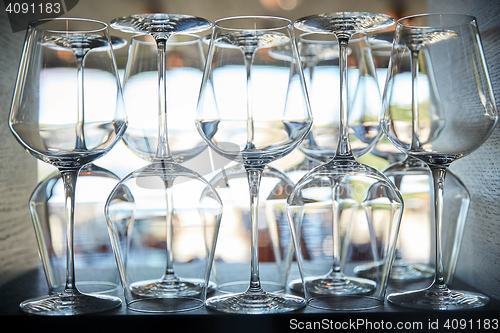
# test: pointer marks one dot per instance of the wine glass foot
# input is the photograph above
(407, 272)
(170, 289)
(399, 272)
(326, 285)
(438, 300)
(239, 286)
(165, 305)
(345, 303)
(69, 305)
(255, 303)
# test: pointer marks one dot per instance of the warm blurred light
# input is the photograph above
(280, 4)
(288, 4)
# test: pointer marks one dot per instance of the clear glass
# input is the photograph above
(333, 193)
(253, 109)
(453, 47)
(159, 189)
(67, 110)
(320, 56)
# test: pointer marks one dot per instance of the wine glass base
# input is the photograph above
(255, 303)
(170, 289)
(69, 305)
(438, 300)
(165, 305)
(325, 285)
(345, 303)
(400, 273)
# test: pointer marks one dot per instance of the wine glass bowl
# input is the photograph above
(67, 111)
(95, 266)
(455, 138)
(268, 135)
(320, 55)
(253, 109)
(231, 266)
(155, 216)
(468, 116)
(184, 62)
(336, 196)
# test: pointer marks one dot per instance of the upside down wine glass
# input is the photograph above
(255, 100)
(328, 190)
(73, 56)
(171, 291)
(453, 45)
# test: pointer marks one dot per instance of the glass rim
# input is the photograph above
(287, 22)
(36, 24)
(469, 18)
(195, 39)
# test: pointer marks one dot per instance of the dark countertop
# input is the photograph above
(33, 284)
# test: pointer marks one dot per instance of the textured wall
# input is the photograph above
(17, 169)
(479, 261)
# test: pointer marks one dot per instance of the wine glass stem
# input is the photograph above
(336, 229)
(69, 180)
(80, 136)
(438, 176)
(163, 148)
(250, 127)
(169, 271)
(344, 147)
(414, 100)
(397, 182)
(254, 176)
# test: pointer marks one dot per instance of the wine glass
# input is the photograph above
(163, 175)
(257, 102)
(412, 177)
(67, 110)
(320, 55)
(453, 45)
(334, 190)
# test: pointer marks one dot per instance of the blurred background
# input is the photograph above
(216, 9)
